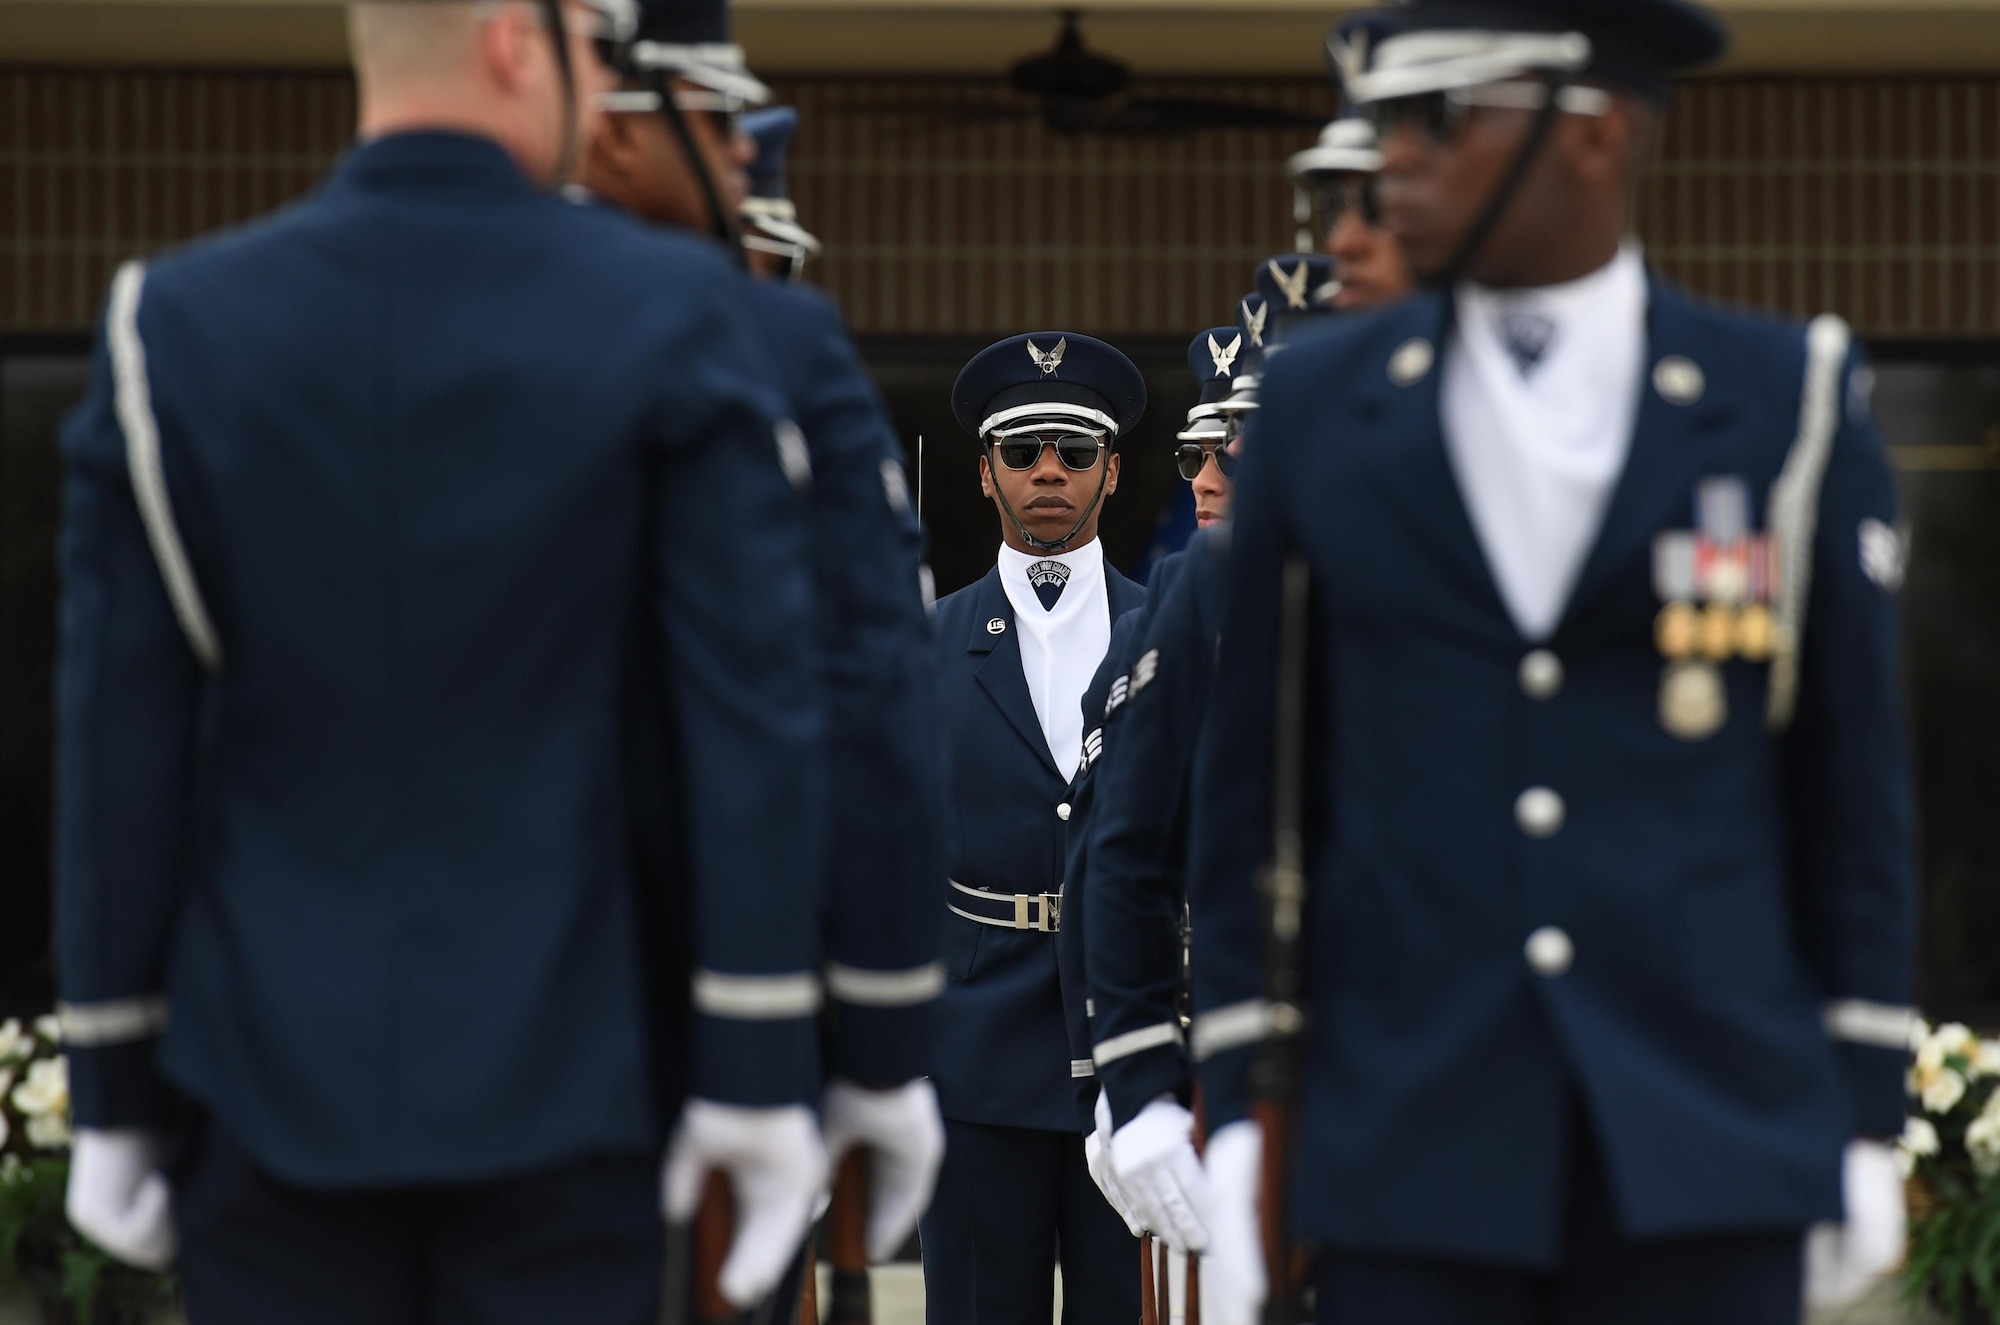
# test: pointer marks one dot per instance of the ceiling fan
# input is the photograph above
(1075, 91)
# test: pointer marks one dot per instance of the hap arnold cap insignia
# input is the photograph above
(1224, 355)
(1050, 360)
(1291, 284)
(1253, 319)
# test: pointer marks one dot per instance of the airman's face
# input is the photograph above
(1367, 261)
(1434, 186)
(1048, 497)
(637, 162)
(1212, 491)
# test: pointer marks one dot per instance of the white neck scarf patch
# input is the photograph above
(1538, 401)
(1063, 613)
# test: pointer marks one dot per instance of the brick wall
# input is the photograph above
(1878, 198)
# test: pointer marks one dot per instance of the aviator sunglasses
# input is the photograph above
(723, 112)
(1022, 451)
(1336, 197)
(1440, 116)
(1191, 457)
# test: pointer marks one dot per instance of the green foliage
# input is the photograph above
(38, 1247)
(1954, 1249)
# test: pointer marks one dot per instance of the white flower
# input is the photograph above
(49, 1029)
(1944, 1092)
(14, 1043)
(1954, 1037)
(1986, 1061)
(1920, 1030)
(1919, 1137)
(1982, 1142)
(50, 1131)
(46, 1091)
(11, 1169)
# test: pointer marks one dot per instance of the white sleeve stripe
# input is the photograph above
(115, 1021)
(1080, 1069)
(1794, 508)
(1858, 1021)
(756, 997)
(134, 399)
(885, 989)
(1230, 1027)
(1133, 1042)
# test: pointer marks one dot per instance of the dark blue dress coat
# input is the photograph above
(1002, 1050)
(1135, 883)
(1706, 947)
(885, 856)
(373, 873)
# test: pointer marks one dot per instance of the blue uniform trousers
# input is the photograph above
(581, 1241)
(1749, 1277)
(987, 1257)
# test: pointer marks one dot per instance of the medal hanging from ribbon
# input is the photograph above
(1717, 583)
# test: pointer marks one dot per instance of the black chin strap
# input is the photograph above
(1517, 174)
(552, 19)
(721, 224)
(1060, 544)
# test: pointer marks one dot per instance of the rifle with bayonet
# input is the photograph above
(1279, 1073)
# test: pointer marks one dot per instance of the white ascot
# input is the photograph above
(1539, 399)
(1061, 643)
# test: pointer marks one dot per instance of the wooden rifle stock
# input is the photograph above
(694, 1291)
(1149, 1307)
(1194, 1262)
(1279, 1071)
(849, 1302)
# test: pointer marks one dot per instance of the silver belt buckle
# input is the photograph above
(1051, 912)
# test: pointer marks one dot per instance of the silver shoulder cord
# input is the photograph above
(1795, 507)
(134, 403)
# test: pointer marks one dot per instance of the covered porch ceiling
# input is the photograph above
(1176, 38)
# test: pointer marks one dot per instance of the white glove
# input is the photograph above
(1157, 1169)
(776, 1168)
(1232, 1270)
(1097, 1158)
(1844, 1260)
(903, 1128)
(119, 1199)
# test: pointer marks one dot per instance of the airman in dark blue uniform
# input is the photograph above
(1135, 887)
(1015, 652)
(1608, 814)
(381, 521)
(884, 860)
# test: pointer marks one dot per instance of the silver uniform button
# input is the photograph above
(1539, 811)
(1541, 675)
(1062, 812)
(1411, 362)
(1550, 952)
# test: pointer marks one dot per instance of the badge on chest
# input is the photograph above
(1717, 585)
